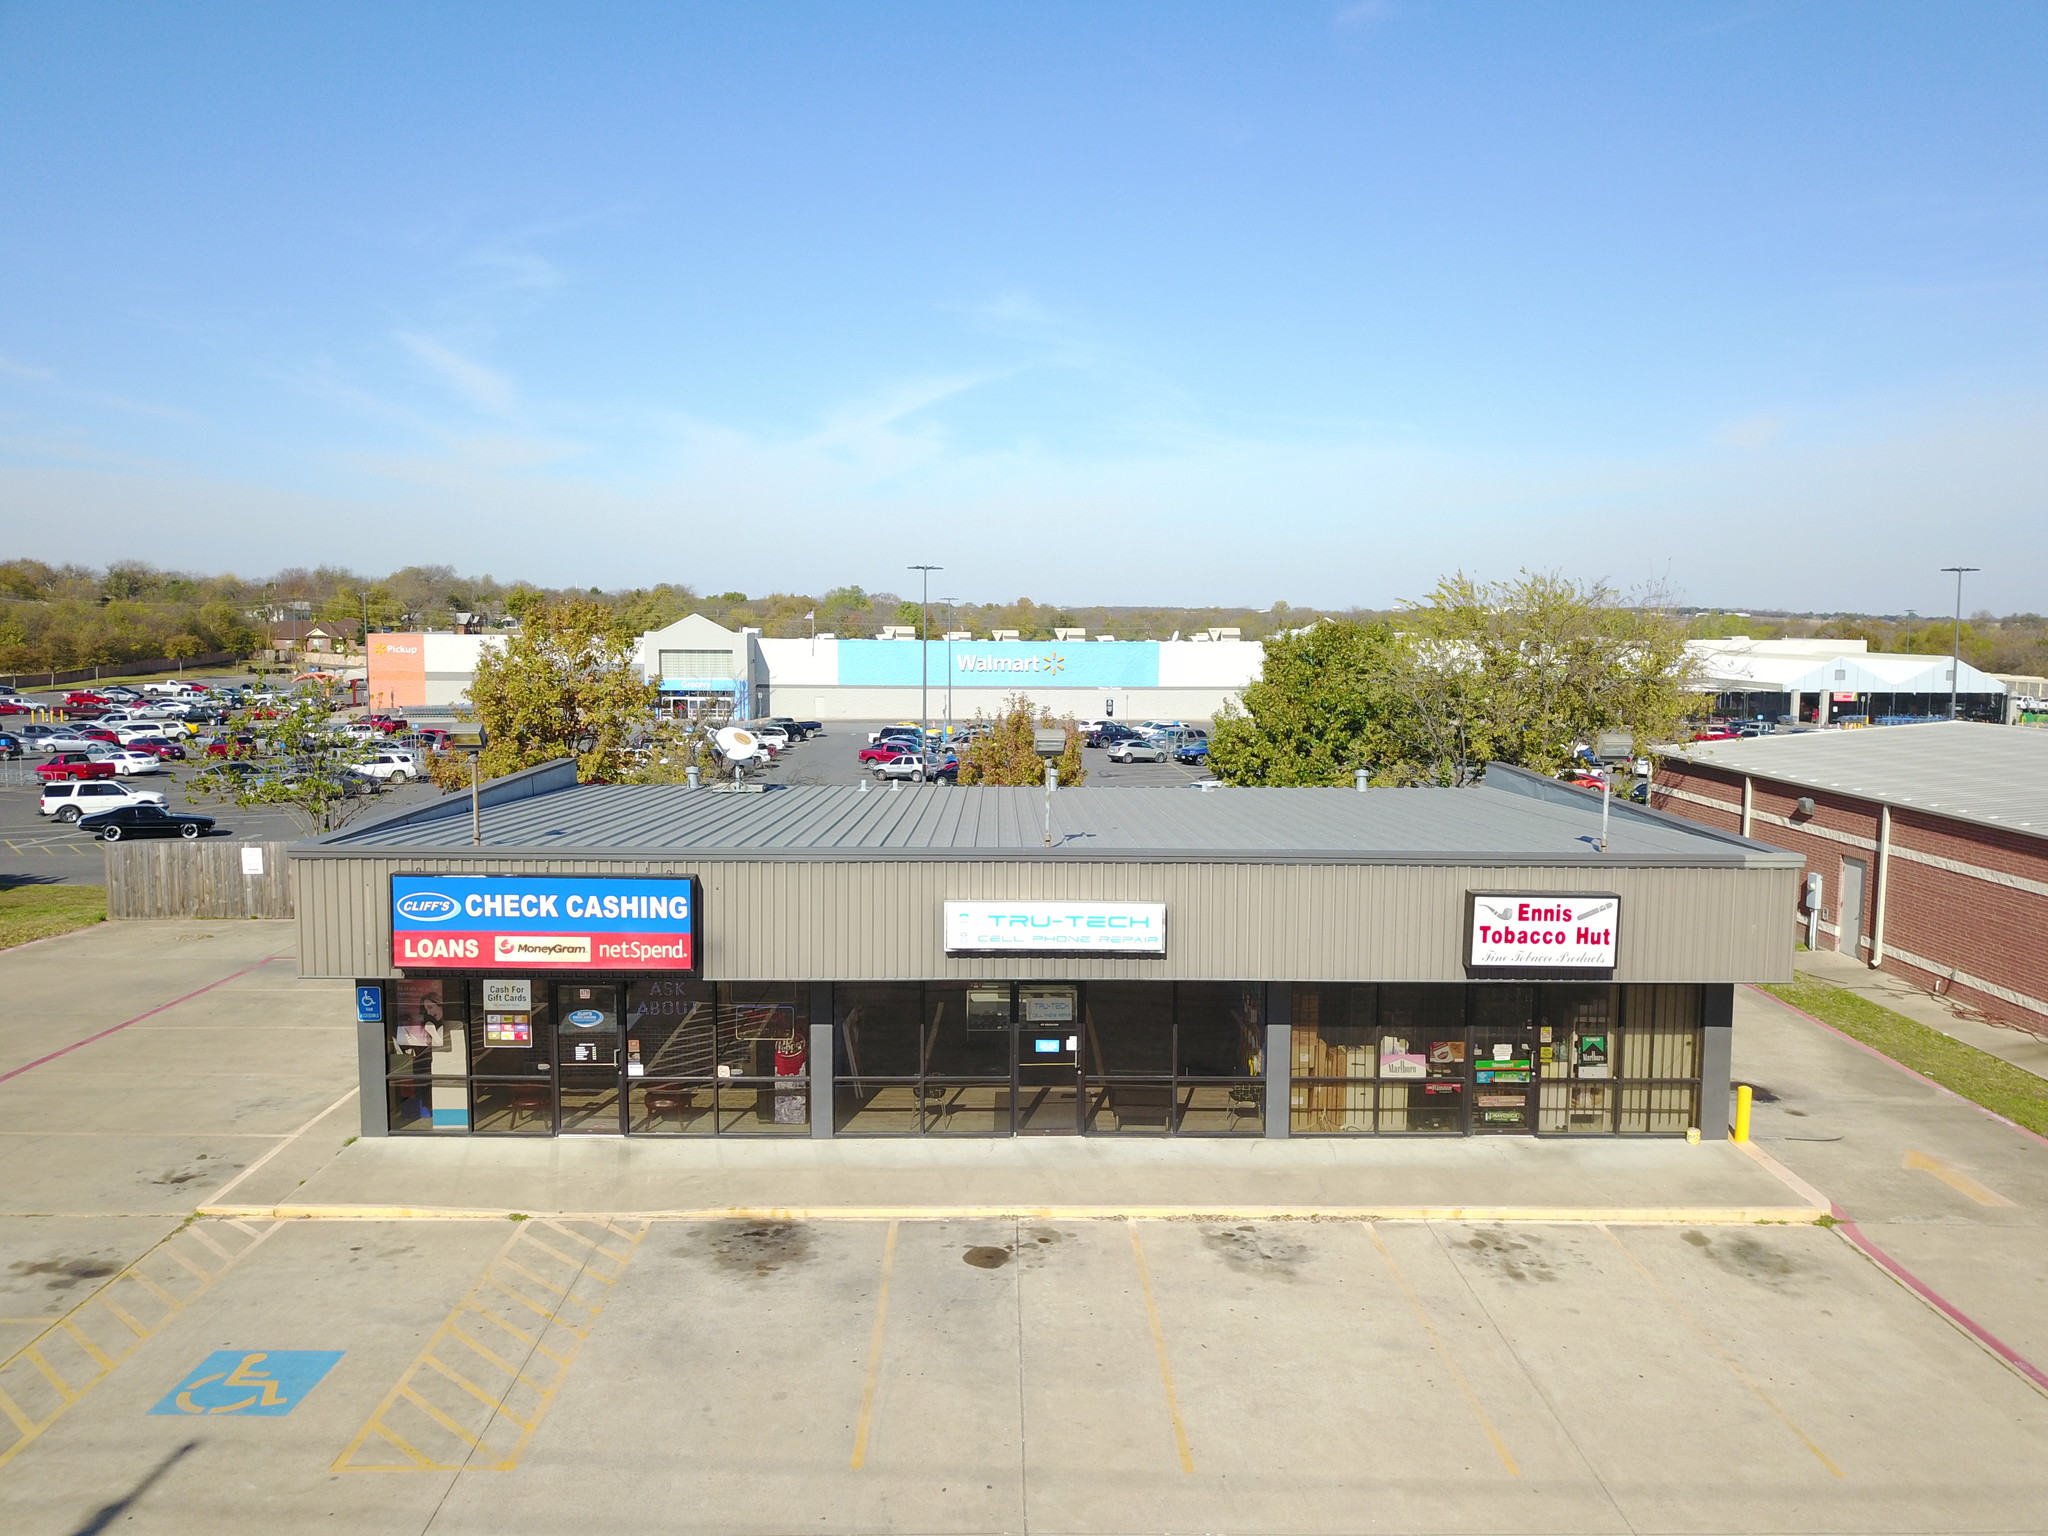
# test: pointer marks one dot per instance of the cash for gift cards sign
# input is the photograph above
(1535, 933)
(525, 922)
(1056, 928)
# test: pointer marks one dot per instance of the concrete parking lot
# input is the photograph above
(39, 848)
(928, 1373)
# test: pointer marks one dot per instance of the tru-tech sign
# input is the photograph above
(1000, 663)
(522, 922)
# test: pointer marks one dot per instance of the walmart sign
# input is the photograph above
(1001, 664)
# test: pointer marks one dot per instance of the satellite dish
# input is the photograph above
(738, 746)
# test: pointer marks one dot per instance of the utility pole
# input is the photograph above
(1955, 655)
(924, 662)
(952, 624)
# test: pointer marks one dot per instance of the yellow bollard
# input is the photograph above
(1742, 1098)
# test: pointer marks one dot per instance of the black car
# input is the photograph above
(795, 730)
(10, 746)
(144, 821)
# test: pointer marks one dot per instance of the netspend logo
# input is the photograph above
(427, 907)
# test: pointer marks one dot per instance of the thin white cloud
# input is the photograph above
(483, 388)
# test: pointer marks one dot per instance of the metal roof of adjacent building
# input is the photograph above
(1433, 826)
(1995, 775)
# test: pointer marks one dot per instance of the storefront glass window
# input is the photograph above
(1335, 1058)
(426, 1056)
(879, 1044)
(1421, 1058)
(1659, 1060)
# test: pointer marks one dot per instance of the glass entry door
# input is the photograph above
(587, 1059)
(1047, 1072)
(1504, 1055)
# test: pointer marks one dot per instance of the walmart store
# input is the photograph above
(639, 960)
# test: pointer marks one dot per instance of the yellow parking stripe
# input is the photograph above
(875, 1337)
(1180, 1433)
(460, 1405)
(1714, 1345)
(1443, 1352)
(104, 1330)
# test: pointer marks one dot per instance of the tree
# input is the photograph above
(1008, 753)
(304, 764)
(1544, 662)
(911, 616)
(1323, 709)
(1514, 672)
(564, 686)
(178, 647)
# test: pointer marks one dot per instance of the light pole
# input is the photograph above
(924, 662)
(1955, 655)
(951, 625)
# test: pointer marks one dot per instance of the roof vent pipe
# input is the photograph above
(863, 786)
(1804, 807)
(1363, 779)
(694, 775)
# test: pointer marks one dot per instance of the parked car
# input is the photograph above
(1191, 752)
(87, 697)
(230, 746)
(1142, 750)
(432, 739)
(72, 799)
(875, 737)
(390, 725)
(162, 748)
(10, 746)
(1718, 733)
(883, 751)
(793, 729)
(1109, 733)
(14, 707)
(98, 733)
(389, 768)
(144, 821)
(127, 763)
(33, 736)
(811, 727)
(74, 765)
(766, 730)
(920, 767)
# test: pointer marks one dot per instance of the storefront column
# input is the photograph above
(373, 1060)
(821, 1061)
(1279, 1059)
(1717, 1061)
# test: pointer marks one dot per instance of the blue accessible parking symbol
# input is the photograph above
(268, 1383)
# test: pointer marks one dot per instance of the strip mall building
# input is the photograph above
(665, 961)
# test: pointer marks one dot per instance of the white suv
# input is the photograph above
(68, 800)
(393, 767)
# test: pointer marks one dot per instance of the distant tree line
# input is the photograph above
(55, 617)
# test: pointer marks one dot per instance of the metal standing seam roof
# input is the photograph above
(1434, 826)
(1993, 775)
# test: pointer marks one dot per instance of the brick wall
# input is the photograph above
(1966, 912)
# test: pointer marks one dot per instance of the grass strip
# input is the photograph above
(42, 911)
(1978, 1076)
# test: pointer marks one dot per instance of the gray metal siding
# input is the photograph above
(862, 920)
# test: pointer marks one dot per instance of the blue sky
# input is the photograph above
(1094, 302)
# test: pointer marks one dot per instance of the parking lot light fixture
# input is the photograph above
(1955, 656)
(924, 653)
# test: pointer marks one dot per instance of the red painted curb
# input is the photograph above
(1871, 1050)
(159, 1008)
(1936, 1300)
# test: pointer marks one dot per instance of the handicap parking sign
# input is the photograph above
(369, 1005)
(252, 1383)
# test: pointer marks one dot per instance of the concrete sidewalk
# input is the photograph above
(2020, 1047)
(1502, 1178)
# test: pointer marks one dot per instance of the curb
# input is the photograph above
(1594, 1215)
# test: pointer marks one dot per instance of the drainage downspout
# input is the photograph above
(1884, 884)
(1748, 801)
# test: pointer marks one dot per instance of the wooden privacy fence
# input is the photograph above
(166, 877)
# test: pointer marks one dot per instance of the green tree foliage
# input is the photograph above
(1008, 753)
(909, 614)
(1514, 672)
(566, 677)
(1325, 707)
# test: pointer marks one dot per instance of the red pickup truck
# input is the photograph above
(74, 765)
